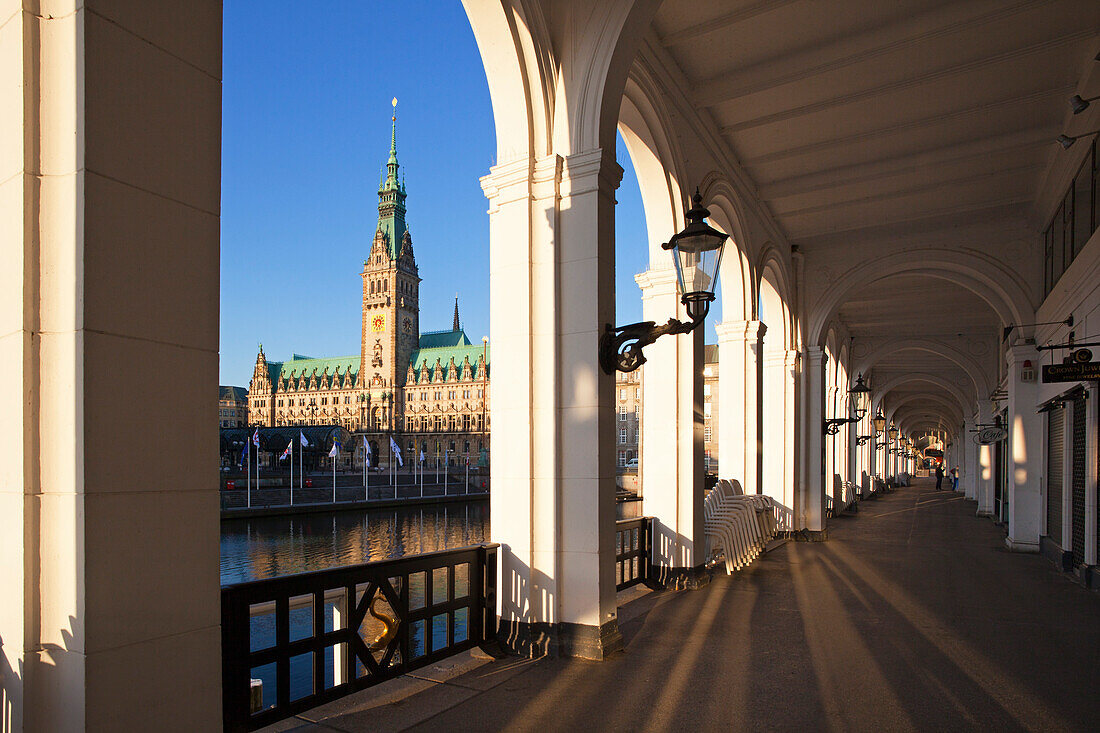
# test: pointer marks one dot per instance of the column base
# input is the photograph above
(1021, 546)
(564, 639)
(983, 513)
(663, 577)
(1053, 552)
(810, 535)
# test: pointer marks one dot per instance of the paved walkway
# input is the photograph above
(913, 616)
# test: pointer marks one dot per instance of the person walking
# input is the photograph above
(955, 478)
(939, 476)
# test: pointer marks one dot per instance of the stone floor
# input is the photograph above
(913, 616)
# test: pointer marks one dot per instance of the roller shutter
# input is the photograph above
(1055, 434)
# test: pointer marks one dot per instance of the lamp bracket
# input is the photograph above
(621, 346)
(832, 425)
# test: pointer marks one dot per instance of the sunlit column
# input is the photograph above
(1025, 436)
(777, 438)
(551, 259)
(740, 372)
(984, 468)
(672, 423)
(810, 511)
(970, 469)
(109, 581)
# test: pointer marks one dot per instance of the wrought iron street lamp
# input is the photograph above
(696, 253)
(861, 396)
(879, 422)
(892, 433)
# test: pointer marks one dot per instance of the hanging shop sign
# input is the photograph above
(988, 436)
(1078, 367)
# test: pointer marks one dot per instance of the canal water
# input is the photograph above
(267, 547)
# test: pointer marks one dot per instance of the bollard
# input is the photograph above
(256, 696)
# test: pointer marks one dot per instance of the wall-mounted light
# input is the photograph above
(862, 396)
(1067, 140)
(892, 433)
(879, 422)
(1079, 104)
(696, 254)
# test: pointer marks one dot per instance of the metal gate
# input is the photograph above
(1056, 421)
(1078, 479)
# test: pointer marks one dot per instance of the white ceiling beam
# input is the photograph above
(853, 49)
(692, 33)
(946, 72)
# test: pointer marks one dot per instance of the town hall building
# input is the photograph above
(429, 391)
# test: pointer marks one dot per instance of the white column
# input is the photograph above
(672, 432)
(778, 424)
(984, 465)
(1025, 454)
(551, 258)
(740, 372)
(109, 184)
(810, 511)
(969, 452)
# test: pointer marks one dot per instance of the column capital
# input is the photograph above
(661, 281)
(1019, 352)
(740, 331)
(585, 172)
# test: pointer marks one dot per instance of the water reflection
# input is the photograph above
(266, 547)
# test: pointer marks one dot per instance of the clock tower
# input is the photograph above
(391, 310)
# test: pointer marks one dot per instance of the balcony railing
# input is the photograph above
(633, 551)
(315, 637)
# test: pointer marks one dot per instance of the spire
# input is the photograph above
(393, 134)
(457, 326)
(391, 196)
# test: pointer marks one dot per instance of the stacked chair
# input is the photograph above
(737, 525)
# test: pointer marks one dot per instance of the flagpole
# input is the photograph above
(334, 476)
(467, 474)
(366, 495)
(248, 472)
(292, 472)
(446, 453)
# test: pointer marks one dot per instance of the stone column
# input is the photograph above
(810, 511)
(971, 471)
(672, 425)
(551, 229)
(110, 171)
(778, 423)
(1025, 453)
(740, 370)
(984, 465)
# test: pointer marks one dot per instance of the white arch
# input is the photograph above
(884, 389)
(953, 409)
(968, 363)
(988, 278)
(774, 295)
(644, 127)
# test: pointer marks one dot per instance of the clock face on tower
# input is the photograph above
(378, 322)
(407, 325)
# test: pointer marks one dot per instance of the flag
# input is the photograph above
(396, 452)
(289, 450)
(335, 449)
(302, 439)
(366, 447)
(421, 455)
(244, 453)
(256, 438)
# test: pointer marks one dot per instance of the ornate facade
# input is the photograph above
(430, 391)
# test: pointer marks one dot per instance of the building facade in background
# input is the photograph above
(232, 407)
(429, 391)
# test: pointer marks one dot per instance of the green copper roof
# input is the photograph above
(444, 354)
(299, 365)
(436, 339)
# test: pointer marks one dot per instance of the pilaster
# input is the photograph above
(984, 465)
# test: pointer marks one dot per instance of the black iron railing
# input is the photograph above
(633, 550)
(315, 637)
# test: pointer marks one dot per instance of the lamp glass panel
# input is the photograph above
(697, 264)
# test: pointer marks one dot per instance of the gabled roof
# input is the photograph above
(437, 339)
(299, 365)
(444, 354)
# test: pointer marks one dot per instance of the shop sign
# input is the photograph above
(1080, 366)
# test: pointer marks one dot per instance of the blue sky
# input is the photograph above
(306, 129)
